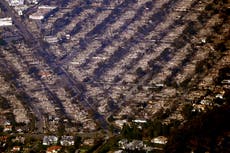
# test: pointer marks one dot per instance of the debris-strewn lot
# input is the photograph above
(129, 59)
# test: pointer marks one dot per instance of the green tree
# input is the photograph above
(2, 42)
(131, 132)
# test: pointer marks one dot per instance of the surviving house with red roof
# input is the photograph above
(53, 149)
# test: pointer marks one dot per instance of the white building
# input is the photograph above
(51, 39)
(49, 140)
(67, 141)
(139, 121)
(160, 140)
(32, 1)
(6, 22)
(16, 2)
(36, 16)
(41, 12)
